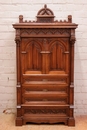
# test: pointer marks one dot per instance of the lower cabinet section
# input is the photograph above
(45, 114)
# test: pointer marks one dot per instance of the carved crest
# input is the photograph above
(45, 15)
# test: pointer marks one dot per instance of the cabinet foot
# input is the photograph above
(18, 121)
(71, 122)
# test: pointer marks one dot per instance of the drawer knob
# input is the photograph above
(45, 100)
(45, 79)
(45, 90)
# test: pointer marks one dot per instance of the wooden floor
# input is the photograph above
(7, 122)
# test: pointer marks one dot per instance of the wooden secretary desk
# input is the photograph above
(45, 69)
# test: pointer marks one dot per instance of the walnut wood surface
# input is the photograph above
(45, 69)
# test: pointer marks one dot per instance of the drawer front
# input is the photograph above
(44, 87)
(46, 78)
(61, 97)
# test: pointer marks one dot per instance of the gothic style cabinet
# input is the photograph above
(45, 69)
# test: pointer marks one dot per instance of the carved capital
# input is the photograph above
(17, 42)
(72, 39)
(17, 38)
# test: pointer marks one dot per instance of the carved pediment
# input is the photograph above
(45, 15)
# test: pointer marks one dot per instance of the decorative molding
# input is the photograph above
(59, 78)
(46, 90)
(41, 31)
(60, 100)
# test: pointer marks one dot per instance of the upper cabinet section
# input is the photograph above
(45, 26)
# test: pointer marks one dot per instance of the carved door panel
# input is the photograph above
(59, 56)
(31, 58)
(40, 55)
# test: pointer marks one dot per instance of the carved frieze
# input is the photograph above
(45, 111)
(41, 31)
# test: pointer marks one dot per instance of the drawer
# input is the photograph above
(44, 87)
(61, 97)
(61, 78)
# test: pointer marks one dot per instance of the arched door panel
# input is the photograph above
(58, 57)
(31, 59)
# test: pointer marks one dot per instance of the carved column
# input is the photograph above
(18, 40)
(71, 102)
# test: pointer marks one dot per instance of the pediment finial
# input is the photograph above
(45, 6)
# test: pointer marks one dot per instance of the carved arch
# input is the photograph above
(58, 42)
(57, 57)
(33, 56)
(45, 11)
(37, 44)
